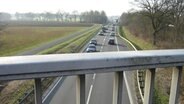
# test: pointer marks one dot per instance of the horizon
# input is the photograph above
(110, 7)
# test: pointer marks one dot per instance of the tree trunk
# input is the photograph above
(154, 38)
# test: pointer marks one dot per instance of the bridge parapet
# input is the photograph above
(79, 64)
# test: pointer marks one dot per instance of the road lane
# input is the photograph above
(103, 86)
(99, 87)
(68, 89)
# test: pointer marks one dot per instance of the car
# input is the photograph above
(111, 41)
(104, 28)
(101, 33)
(104, 31)
(93, 41)
(112, 34)
(91, 48)
(113, 28)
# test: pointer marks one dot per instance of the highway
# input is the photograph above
(99, 87)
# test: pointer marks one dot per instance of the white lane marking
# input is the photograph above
(94, 75)
(103, 44)
(91, 87)
(125, 77)
(128, 89)
(104, 39)
(101, 48)
(51, 89)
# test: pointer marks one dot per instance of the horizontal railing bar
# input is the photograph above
(78, 72)
(24, 67)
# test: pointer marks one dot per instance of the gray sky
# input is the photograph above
(111, 7)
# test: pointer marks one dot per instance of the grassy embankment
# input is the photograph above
(141, 44)
(16, 39)
(72, 45)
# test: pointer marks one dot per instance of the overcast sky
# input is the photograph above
(111, 7)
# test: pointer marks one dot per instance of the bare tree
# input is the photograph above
(59, 16)
(4, 17)
(158, 12)
(66, 16)
(94, 17)
(75, 14)
(177, 17)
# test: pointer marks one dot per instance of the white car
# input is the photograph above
(91, 48)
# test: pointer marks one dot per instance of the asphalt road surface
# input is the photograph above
(99, 87)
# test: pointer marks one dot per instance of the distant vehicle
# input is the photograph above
(112, 34)
(104, 31)
(104, 28)
(111, 41)
(91, 48)
(93, 41)
(101, 33)
(113, 28)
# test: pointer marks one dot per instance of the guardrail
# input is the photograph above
(40, 66)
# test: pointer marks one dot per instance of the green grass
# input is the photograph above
(11, 97)
(77, 45)
(159, 97)
(16, 39)
(61, 48)
(139, 43)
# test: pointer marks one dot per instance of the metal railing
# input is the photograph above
(40, 66)
(139, 82)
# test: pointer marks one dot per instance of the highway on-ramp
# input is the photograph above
(99, 87)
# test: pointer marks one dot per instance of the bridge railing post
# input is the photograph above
(118, 88)
(38, 91)
(175, 85)
(80, 89)
(149, 86)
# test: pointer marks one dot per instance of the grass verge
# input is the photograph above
(63, 47)
(140, 44)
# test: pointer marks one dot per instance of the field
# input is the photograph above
(47, 24)
(16, 39)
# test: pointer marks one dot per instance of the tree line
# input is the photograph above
(156, 19)
(75, 16)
